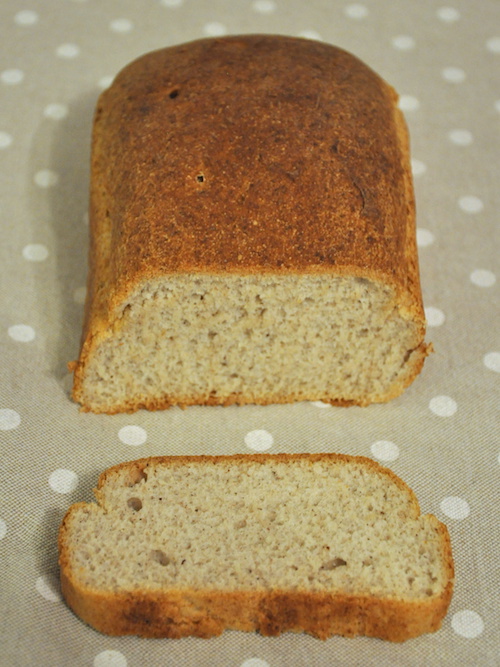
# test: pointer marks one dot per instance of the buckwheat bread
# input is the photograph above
(318, 543)
(252, 232)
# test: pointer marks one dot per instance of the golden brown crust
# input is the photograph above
(205, 613)
(339, 121)
(307, 171)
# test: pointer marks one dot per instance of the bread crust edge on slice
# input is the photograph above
(176, 613)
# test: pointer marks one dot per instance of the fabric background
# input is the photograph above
(441, 436)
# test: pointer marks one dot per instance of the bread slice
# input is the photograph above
(321, 543)
(253, 232)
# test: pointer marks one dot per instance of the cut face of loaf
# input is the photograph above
(325, 544)
(252, 232)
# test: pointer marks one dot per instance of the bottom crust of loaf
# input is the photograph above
(182, 613)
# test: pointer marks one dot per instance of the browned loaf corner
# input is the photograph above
(183, 546)
(252, 232)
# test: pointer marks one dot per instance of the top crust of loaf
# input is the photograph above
(248, 155)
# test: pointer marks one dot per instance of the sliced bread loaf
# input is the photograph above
(253, 232)
(325, 544)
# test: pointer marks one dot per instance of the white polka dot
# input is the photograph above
(171, 3)
(55, 111)
(254, 662)
(493, 44)
(22, 333)
(63, 480)
(12, 76)
(453, 74)
(443, 406)
(133, 435)
(68, 51)
(310, 34)
(356, 11)
(46, 178)
(403, 42)
(424, 237)
(9, 419)
(264, 6)
(121, 25)
(448, 14)
(471, 204)
(455, 507)
(385, 450)
(47, 589)
(105, 81)
(26, 17)
(3, 529)
(434, 316)
(418, 167)
(214, 29)
(467, 623)
(320, 404)
(492, 361)
(5, 139)
(483, 278)
(460, 137)
(408, 103)
(35, 252)
(110, 658)
(80, 294)
(259, 440)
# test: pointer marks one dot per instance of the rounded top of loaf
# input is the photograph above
(251, 154)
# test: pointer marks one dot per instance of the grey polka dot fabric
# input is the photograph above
(441, 436)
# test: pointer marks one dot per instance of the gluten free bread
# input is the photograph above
(252, 232)
(325, 544)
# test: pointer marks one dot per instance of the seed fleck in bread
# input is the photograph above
(325, 544)
(253, 232)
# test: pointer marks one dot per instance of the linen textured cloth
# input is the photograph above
(440, 436)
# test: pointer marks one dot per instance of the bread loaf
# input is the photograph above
(325, 544)
(252, 232)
